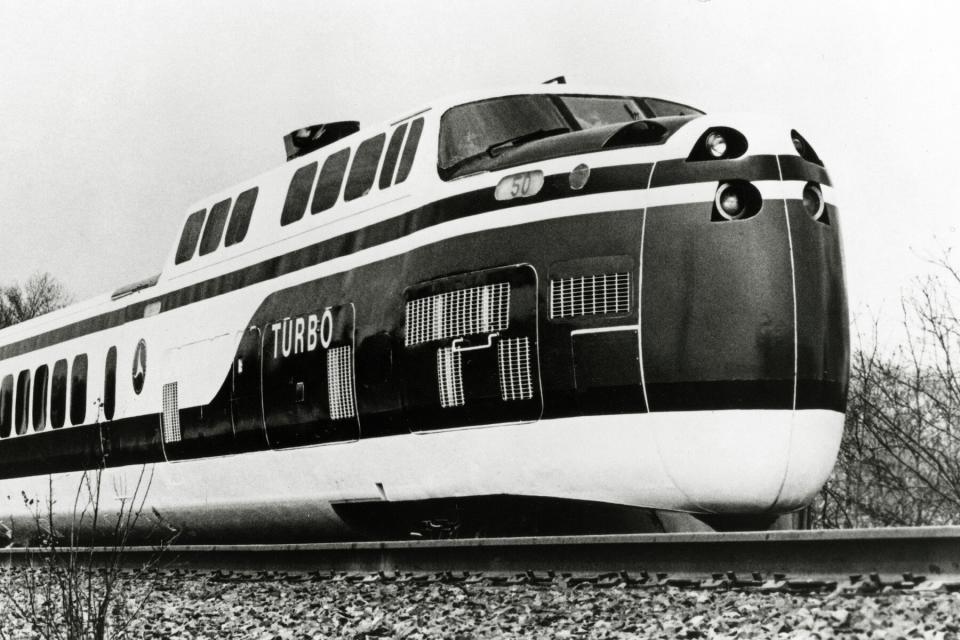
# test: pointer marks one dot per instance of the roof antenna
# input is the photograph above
(557, 80)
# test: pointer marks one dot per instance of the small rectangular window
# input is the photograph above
(240, 218)
(213, 231)
(58, 395)
(328, 184)
(40, 383)
(190, 235)
(364, 167)
(6, 406)
(390, 161)
(297, 195)
(22, 412)
(409, 150)
(110, 384)
(78, 390)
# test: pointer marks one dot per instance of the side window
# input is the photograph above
(22, 412)
(240, 218)
(328, 184)
(297, 195)
(409, 150)
(214, 229)
(78, 390)
(58, 394)
(364, 167)
(110, 384)
(40, 384)
(6, 406)
(390, 161)
(190, 235)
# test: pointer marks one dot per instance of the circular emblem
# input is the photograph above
(139, 366)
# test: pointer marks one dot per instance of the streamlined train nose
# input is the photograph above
(745, 338)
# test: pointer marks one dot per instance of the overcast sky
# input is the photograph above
(115, 116)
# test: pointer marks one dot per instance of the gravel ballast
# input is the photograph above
(209, 606)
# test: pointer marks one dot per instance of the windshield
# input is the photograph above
(479, 128)
(471, 128)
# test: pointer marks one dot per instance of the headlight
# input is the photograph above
(729, 201)
(736, 200)
(798, 143)
(813, 200)
(804, 150)
(716, 144)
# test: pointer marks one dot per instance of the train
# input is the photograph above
(546, 309)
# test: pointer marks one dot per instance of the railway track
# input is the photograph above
(901, 557)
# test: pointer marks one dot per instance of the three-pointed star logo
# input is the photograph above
(139, 366)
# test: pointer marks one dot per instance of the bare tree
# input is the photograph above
(899, 461)
(40, 294)
(72, 590)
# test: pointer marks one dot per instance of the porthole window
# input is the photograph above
(41, 383)
(6, 406)
(110, 384)
(78, 390)
(22, 412)
(240, 218)
(297, 195)
(364, 167)
(390, 161)
(409, 150)
(213, 231)
(190, 235)
(328, 184)
(58, 395)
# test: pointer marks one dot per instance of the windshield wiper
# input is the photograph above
(517, 141)
(539, 134)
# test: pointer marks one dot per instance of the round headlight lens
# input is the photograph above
(798, 144)
(716, 144)
(730, 202)
(813, 200)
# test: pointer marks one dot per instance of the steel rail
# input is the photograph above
(930, 551)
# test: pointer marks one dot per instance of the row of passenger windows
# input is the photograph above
(19, 410)
(363, 171)
(215, 223)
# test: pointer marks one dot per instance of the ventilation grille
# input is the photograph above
(516, 382)
(590, 295)
(340, 383)
(453, 314)
(171, 413)
(450, 375)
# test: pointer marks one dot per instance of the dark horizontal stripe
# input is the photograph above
(681, 171)
(796, 168)
(821, 394)
(720, 394)
(556, 186)
(745, 394)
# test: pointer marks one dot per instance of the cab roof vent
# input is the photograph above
(307, 139)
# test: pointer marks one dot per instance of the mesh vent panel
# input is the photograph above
(516, 381)
(590, 295)
(340, 383)
(171, 413)
(453, 314)
(450, 375)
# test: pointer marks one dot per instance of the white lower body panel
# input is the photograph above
(731, 461)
